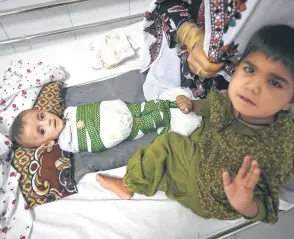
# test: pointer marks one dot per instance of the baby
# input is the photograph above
(210, 172)
(96, 127)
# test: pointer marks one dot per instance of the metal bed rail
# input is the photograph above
(70, 29)
(37, 7)
(232, 230)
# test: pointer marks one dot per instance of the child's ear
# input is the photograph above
(47, 145)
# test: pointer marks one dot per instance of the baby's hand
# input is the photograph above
(184, 104)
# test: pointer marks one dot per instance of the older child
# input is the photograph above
(210, 172)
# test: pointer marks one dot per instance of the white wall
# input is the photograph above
(19, 25)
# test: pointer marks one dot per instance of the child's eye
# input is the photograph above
(42, 116)
(42, 132)
(275, 83)
(249, 69)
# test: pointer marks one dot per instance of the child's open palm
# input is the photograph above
(240, 190)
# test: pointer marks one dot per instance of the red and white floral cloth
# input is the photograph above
(19, 88)
(15, 217)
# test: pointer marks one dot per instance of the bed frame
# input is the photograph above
(55, 4)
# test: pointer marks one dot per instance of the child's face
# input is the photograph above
(261, 87)
(41, 127)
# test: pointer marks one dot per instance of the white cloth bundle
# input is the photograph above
(112, 49)
(116, 122)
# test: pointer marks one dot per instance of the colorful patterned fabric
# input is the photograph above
(166, 18)
(50, 99)
(46, 174)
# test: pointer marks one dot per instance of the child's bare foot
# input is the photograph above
(115, 185)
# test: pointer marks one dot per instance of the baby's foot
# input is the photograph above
(115, 185)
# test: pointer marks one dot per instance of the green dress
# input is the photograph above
(189, 169)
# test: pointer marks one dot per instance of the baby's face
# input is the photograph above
(40, 127)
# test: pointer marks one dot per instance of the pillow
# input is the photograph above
(50, 99)
(46, 174)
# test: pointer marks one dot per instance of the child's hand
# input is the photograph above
(240, 190)
(184, 104)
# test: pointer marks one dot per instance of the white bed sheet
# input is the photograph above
(74, 57)
(97, 213)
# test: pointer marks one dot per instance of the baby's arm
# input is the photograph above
(201, 107)
(186, 105)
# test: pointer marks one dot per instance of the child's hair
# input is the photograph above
(17, 128)
(276, 42)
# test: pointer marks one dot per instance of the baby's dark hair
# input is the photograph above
(276, 42)
(17, 128)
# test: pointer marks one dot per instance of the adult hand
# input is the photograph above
(197, 59)
(199, 64)
(240, 190)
